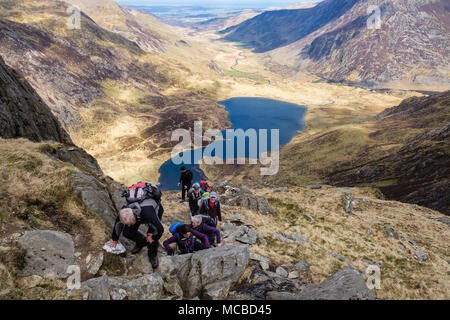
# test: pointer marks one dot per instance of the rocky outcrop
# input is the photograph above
(22, 111)
(241, 196)
(206, 274)
(346, 284)
(47, 253)
(147, 287)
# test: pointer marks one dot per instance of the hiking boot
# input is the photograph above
(154, 261)
(137, 248)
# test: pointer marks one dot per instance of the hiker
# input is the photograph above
(204, 186)
(211, 232)
(194, 196)
(211, 207)
(143, 207)
(185, 181)
(183, 236)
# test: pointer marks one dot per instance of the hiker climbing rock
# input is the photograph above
(212, 233)
(185, 181)
(211, 207)
(194, 196)
(143, 207)
(183, 236)
(204, 186)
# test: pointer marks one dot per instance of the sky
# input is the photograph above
(214, 3)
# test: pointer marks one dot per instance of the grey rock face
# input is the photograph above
(242, 234)
(206, 273)
(420, 256)
(297, 237)
(281, 189)
(281, 271)
(349, 204)
(147, 287)
(390, 232)
(302, 266)
(95, 263)
(22, 111)
(47, 252)
(290, 238)
(95, 196)
(441, 219)
(346, 284)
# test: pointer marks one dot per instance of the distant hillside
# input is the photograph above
(333, 41)
(418, 171)
(273, 29)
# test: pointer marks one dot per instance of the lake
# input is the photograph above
(245, 113)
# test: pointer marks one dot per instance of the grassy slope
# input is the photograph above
(402, 276)
(35, 194)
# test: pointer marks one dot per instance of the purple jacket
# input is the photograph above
(209, 231)
(197, 234)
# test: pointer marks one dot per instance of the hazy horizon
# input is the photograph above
(220, 3)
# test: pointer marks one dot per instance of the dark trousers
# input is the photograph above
(132, 233)
(197, 247)
(184, 191)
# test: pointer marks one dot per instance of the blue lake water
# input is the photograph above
(244, 113)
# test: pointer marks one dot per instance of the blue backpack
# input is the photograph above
(173, 227)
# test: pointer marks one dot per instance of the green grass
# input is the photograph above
(30, 164)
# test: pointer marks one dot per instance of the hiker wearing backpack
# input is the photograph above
(204, 186)
(185, 181)
(211, 232)
(183, 236)
(194, 197)
(143, 207)
(211, 208)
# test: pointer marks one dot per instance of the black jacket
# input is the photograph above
(186, 178)
(144, 215)
(193, 202)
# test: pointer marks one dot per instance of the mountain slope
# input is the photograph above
(104, 88)
(333, 41)
(274, 29)
(412, 45)
(417, 172)
(115, 18)
(22, 111)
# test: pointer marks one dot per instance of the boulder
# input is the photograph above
(47, 252)
(225, 264)
(264, 207)
(208, 273)
(297, 237)
(95, 196)
(390, 232)
(146, 287)
(421, 256)
(302, 266)
(281, 272)
(346, 284)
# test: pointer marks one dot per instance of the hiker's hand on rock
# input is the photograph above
(113, 243)
(220, 224)
(149, 238)
(219, 245)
